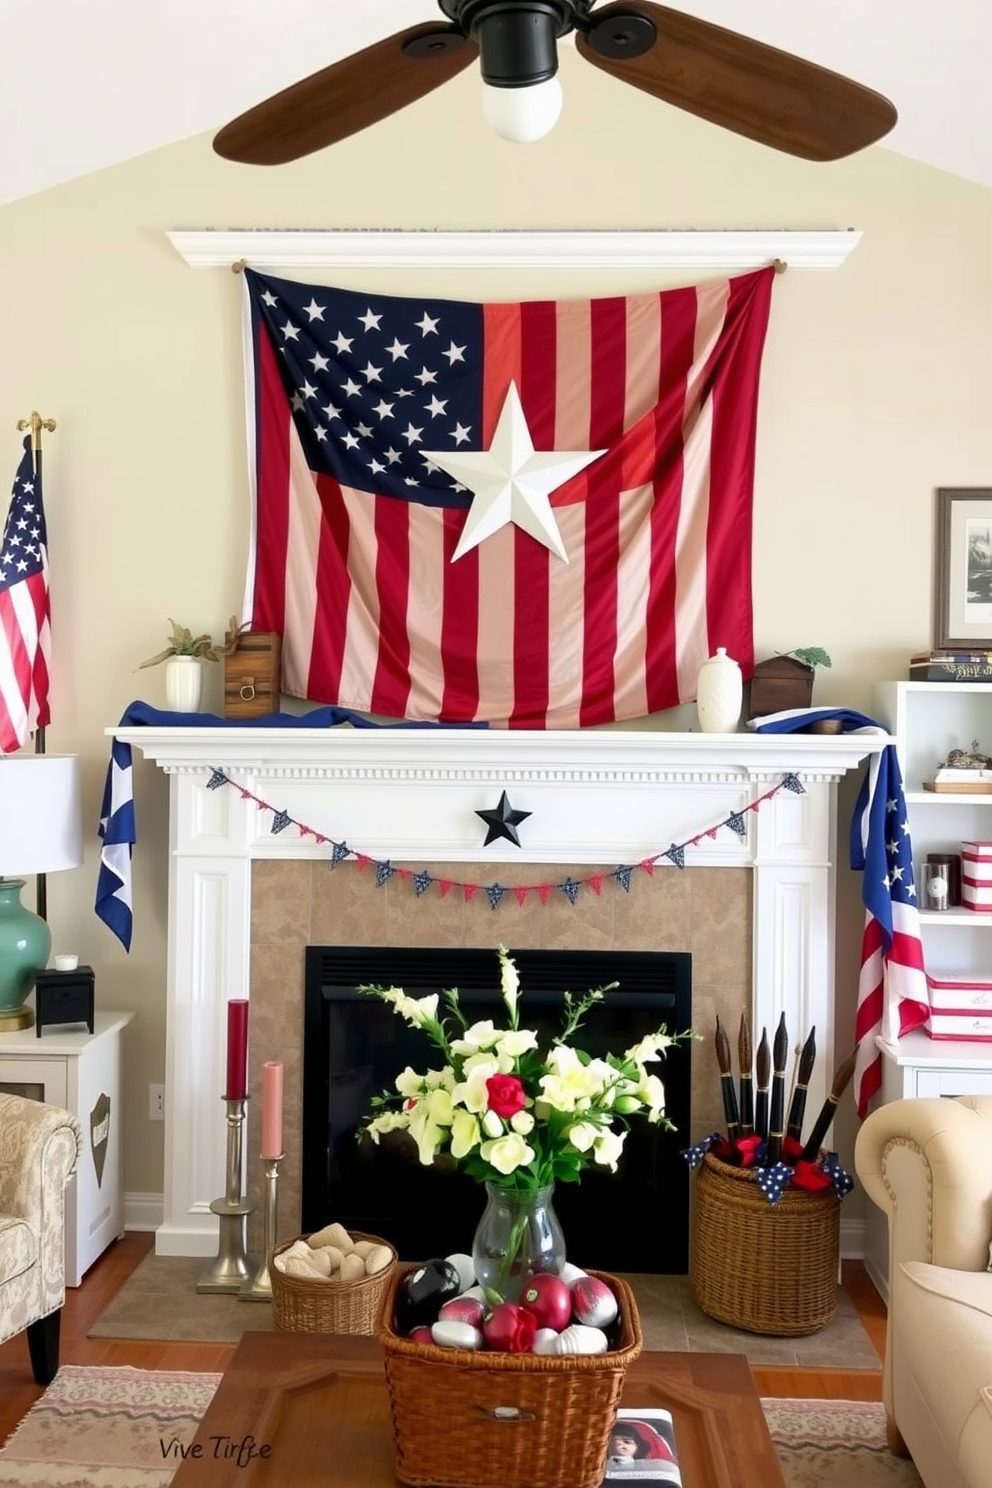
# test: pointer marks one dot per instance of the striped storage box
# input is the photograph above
(960, 1006)
(976, 876)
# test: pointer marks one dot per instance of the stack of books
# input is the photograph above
(951, 666)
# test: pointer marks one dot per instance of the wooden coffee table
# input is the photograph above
(310, 1409)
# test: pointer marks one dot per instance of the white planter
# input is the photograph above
(719, 694)
(183, 683)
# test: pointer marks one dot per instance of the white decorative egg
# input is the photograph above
(466, 1270)
(477, 1292)
(545, 1341)
(570, 1274)
(578, 1339)
(450, 1334)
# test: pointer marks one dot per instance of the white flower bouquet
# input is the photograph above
(508, 1112)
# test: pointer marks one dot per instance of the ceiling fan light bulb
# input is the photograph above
(523, 115)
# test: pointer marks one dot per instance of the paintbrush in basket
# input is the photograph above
(747, 1083)
(763, 1074)
(797, 1107)
(723, 1059)
(776, 1115)
(842, 1079)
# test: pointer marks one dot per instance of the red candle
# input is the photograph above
(271, 1108)
(237, 1049)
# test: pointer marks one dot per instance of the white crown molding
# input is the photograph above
(213, 248)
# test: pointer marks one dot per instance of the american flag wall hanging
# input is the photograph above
(530, 514)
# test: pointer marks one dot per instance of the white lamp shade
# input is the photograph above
(41, 817)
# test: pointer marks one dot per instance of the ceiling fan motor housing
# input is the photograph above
(517, 39)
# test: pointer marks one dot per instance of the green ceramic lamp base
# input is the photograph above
(25, 943)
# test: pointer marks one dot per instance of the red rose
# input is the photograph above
(506, 1095)
(510, 1329)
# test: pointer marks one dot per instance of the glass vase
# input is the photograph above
(517, 1237)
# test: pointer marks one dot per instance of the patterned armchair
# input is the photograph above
(39, 1150)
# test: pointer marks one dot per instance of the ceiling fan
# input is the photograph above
(755, 90)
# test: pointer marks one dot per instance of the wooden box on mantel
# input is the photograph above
(251, 675)
(778, 683)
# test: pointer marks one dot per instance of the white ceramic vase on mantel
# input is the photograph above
(719, 694)
(184, 683)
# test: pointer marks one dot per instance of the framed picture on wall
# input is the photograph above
(963, 576)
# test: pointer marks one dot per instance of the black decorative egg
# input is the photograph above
(422, 1292)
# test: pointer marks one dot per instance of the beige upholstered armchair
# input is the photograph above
(927, 1164)
(39, 1150)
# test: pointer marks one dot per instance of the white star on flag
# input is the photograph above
(511, 481)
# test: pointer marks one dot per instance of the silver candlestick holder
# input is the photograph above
(259, 1288)
(228, 1271)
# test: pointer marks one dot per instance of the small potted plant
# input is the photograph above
(184, 657)
(786, 680)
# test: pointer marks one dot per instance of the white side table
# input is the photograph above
(916, 1066)
(82, 1072)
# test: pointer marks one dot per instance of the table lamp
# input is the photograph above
(41, 831)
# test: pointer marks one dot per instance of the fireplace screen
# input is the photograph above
(355, 1046)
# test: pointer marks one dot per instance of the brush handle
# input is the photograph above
(776, 1115)
(747, 1083)
(763, 1069)
(727, 1088)
(797, 1107)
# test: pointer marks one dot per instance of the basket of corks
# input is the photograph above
(331, 1281)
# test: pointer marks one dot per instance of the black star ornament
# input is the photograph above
(503, 821)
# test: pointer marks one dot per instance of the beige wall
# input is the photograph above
(875, 390)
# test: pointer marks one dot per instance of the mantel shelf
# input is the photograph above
(341, 248)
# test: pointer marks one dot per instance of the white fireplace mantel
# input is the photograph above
(410, 796)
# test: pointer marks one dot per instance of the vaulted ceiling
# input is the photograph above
(87, 85)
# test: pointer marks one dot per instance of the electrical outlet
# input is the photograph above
(156, 1103)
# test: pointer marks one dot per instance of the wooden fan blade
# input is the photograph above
(755, 90)
(347, 96)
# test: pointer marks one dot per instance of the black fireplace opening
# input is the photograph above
(355, 1045)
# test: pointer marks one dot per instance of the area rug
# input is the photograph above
(160, 1301)
(106, 1428)
(125, 1428)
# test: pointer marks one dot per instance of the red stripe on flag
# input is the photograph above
(459, 625)
(678, 335)
(333, 581)
(273, 422)
(606, 419)
(391, 687)
(734, 375)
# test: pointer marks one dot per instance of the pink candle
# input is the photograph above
(271, 1108)
(237, 1049)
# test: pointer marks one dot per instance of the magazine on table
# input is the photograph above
(642, 1448)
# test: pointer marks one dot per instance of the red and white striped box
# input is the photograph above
(950, 992)
(976, 876)
(960, 1025)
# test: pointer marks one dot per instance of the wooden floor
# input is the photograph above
(84, 1304)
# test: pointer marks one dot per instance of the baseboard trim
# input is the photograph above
(852, 1239)
(143, 1211)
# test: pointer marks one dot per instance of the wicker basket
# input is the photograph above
(767, 1268)
(490, 1420)
(303, 1306)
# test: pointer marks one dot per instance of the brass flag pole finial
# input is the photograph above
(36, 423)
(239, 265)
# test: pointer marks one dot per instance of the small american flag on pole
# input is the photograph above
(603, 606)
(25, 616)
